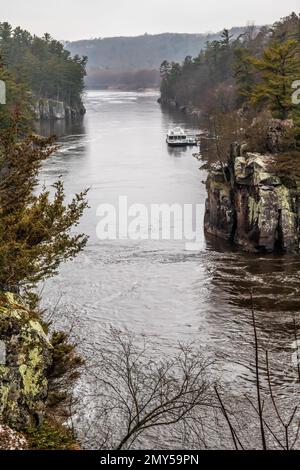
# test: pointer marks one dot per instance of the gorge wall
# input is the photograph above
(51, 110)
(251, 206)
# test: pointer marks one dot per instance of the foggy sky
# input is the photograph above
(84, 19)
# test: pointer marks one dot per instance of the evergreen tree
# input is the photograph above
(42, 65)
(18, 100)
(278, 68)
(36, 229)
(226, 38)
(243, 73)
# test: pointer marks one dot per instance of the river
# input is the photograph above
(157, 287)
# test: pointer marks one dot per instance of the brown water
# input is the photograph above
(157, 287)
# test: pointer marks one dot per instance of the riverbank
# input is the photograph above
(189, 110)
(52, 110)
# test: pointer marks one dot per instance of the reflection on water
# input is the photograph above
(61, 128)
(157, 287)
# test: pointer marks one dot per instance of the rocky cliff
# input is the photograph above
(29, 365)
(52, 110)
(26, 355)
(253, 207)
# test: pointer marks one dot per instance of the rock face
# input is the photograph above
(252, 207)
(25, 357)
(190, 110)
(52, 110)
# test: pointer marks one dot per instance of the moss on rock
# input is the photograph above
(51, 436)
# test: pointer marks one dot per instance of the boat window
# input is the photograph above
(171, 137)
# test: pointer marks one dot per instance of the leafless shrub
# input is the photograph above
(278, 426)
(132, 397)
(136, 393)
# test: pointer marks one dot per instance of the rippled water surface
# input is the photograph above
(157, 287)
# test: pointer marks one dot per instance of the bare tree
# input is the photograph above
(138, 393)
(138, 397)
(279, 426)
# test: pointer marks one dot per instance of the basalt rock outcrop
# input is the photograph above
(25, 358)
(37, 373)
(251, 206)
(52, 110)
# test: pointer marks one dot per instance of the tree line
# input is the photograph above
(256, 71)
(123, 80)
(34, 67)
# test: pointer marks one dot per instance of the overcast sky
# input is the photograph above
(83, 19)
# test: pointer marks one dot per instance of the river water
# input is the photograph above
(157, 287)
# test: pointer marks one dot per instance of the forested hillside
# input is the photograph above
(35, 68)
(134, 62)
(254, 74)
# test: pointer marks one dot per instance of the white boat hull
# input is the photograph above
(182, 144)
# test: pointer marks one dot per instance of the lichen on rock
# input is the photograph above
(251, 205)
(23, 376)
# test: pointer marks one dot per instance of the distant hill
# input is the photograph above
(110, 58)
(141, 52)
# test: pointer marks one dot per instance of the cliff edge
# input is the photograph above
(30, 362)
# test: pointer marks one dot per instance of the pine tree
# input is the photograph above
(243, 72)
(278, 69)
(42, 65)
(36, 228)
(226, 38)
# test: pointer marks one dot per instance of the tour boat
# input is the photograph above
(177, 137)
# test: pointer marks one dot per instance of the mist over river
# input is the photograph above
(157, 287)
